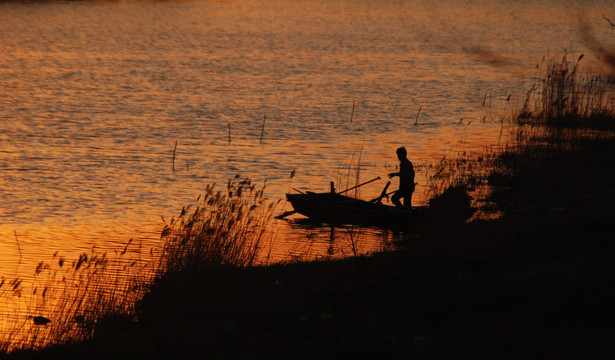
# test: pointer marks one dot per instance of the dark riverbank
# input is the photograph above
(537, 283)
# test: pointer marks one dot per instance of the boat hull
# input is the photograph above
(339, 209)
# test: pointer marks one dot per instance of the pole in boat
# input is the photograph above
(356, 186)
(383, 194)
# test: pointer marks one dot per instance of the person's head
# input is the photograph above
(401, 153)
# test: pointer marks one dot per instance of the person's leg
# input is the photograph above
(408, 200)
(395, 199)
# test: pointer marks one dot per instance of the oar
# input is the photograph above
(356, 186)
(379, 200)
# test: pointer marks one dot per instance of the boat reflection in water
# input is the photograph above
(324, 240)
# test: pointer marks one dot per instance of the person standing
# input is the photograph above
(406, 180)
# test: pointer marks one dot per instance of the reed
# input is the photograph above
(68, 301)
(174, 152)
(263, 128)
(568, 95)
(416, 121)
(564, 104)
(225, 228)
(18, 246)
(348, 174)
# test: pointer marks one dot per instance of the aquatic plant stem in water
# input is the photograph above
(263, 128)
(174, 152)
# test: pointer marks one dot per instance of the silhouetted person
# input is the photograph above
(406, 180)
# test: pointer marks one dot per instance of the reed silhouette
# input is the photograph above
(225, 228)
(567, 95)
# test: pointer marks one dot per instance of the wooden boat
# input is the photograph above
(334, 208)
(452, 206)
